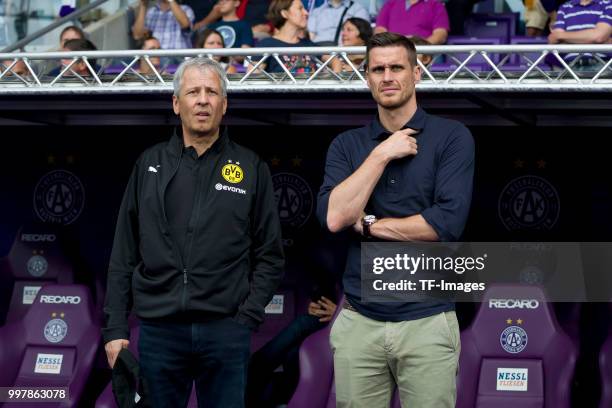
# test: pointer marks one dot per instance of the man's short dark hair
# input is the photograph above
(388, 39)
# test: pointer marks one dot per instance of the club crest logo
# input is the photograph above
(59, 197)
(293, 198)
(37, 266)
(55, 330)
(513, 339)
(529, 202)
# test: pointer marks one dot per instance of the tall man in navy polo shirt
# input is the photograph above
(407, 176)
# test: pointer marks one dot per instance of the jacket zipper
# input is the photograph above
(176, 249)
(195, 209)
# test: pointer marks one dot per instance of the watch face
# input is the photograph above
(369, 219)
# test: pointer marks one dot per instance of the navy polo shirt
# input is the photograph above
(436, 183)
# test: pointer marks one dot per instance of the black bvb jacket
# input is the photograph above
(234, 258)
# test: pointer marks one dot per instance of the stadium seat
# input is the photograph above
(515, 355)
(35, 259)
(497, 25)
(54, 345)
(476, 63)
(516, 61)
(279, 313)
(605, 369)
(316, 386)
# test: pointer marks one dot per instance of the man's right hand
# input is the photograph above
(399, 144)
(113, 348)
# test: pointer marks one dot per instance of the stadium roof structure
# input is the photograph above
(515, 84)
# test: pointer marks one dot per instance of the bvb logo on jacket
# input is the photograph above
(232, 172)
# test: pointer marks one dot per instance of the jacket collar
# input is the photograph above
(175, 144)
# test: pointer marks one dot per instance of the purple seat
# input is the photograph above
(517, 62)
(316, 388)
(605, 369)
(107, 399)
(477, 63)
(54, 345)
(35, 259)
(279, 313)
(502, 25)
(515, 356)
(114, 69)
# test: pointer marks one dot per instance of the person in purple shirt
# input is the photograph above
(424, 18)
(583, 22)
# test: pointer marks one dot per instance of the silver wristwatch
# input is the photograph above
(366, 222)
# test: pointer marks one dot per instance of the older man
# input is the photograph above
(198, 249)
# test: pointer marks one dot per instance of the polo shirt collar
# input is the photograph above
(416, 122)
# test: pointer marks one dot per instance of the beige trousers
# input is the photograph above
(371, 358)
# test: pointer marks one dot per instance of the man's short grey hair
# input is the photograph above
(202, 64)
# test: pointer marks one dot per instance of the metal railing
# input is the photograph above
(485, 68)
(19, 45)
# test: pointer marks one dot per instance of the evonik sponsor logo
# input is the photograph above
(232, 189)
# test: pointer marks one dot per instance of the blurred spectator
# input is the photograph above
(68, 6)
(425, 18)
(458, 11)
(236, 33)
(166, 20)
(356, 32)
(310, 5)
(150, 43)
(71, 33)
(424, 58)
(583, 22)
(214, 14)
(210, 38)
(254, 13)
(372, 6)
(325, 22)
(289, 18)
(79, 67)
(19, 68)
(536, 18)
(202, 8)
